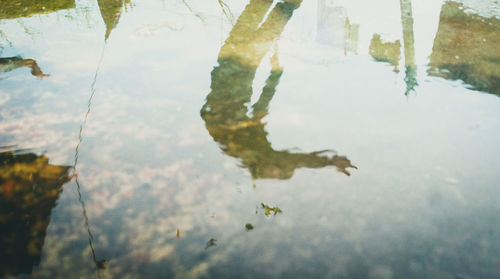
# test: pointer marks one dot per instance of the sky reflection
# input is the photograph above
(109, 169)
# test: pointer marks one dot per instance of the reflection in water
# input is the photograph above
(248, 227)
(334, 27)
(352, 37)
(225, 111)
(100, 264)
(211, 243)
(25, 8)
(466, 48)
(415, 220)
(29, 188)
(110, 12)
(385, 51)
(8, 64)
(110, 9)
(409, 45)
(391, 51)
(270, 209)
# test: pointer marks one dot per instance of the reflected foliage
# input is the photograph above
(29, 188)
(466, 48)
(248, 227)
(111, 11)
(8, 64)
(268, 210)
(225, 112)
(385, 51)
(25, 8)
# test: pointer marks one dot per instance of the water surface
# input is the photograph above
(249, 138)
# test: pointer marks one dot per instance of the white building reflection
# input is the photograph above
(334, 27)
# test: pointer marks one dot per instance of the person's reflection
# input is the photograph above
(225, 112)
(8, 64)
(29, 189)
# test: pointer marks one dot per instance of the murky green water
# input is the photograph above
(249, 139)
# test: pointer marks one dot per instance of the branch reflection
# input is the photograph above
(8, 64)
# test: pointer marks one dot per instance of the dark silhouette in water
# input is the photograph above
(8, 64)
(225, 112)
(29, 189)
(383, 51)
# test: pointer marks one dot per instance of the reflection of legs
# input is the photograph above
(315, 160)
(249, 20)
(260, 108)
(276, 21)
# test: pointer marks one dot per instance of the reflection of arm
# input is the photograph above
(282, 164)
(314, 160)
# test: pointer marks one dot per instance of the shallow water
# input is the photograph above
(246, 138)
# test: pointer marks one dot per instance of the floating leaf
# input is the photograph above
(249, 227)
(268, 210)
